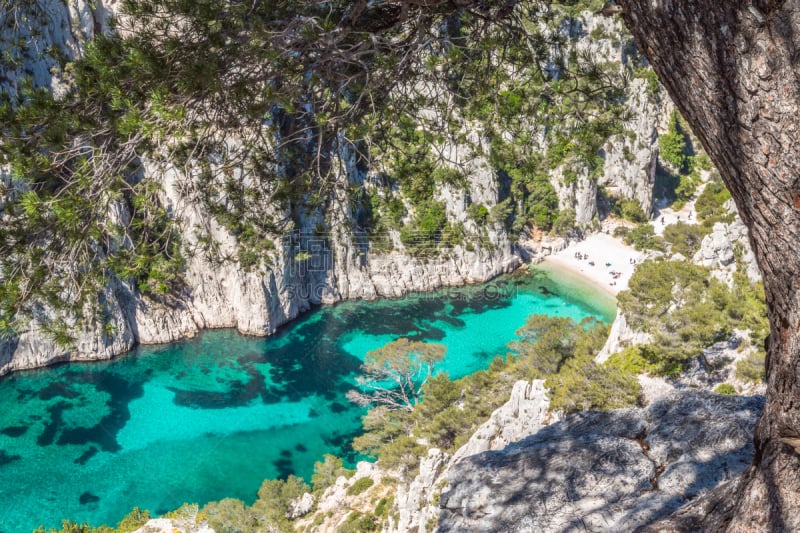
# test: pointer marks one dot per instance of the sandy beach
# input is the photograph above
(602, 249)
(608, 255)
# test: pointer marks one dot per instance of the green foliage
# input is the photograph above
(268, 513)
(598, 33)
(133, 520)
(274, 498)
(546, 343)
(687, 185)
(750, 309)
(686, 310)
(684, 239)
(565, 222)
(633, 360)
(643, 237)
(394, 375)
(231, 516)
(359, 486)
(673, 145)
(575, 7)
(427, 230)
(384, 212)
(187, 511)
(383, 507)
(500, 213)
(452, 410)
(60, 332)
(563, 352)
(68, 526)
(703, 162)
(357, 522)
(449, 176)
(632, 211)
(726, 389)
(326, 472)
(542, 202)
(582, 384)
(622, 232)
(478, 212)
(410, 162)
(751, 367)
(653, 84)
(680, 304)
(387, 435)
(709, 206)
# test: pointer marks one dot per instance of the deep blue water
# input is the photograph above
(214, 416)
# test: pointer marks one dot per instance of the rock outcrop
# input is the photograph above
(525, 412)
(718, 251)
(630, 160)
(604, 471)
(167, 525)
(621, 336)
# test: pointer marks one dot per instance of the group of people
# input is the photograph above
(583, 257)
(663, 221)
(615, 275)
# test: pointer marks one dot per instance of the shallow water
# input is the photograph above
(214, 416)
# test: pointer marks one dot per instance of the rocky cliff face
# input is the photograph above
(718, 250)
(522, 415)
(522, 470)
(630, 158)
(613, 471)
(308, 266)
(416, 501)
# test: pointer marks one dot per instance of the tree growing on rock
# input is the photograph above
(395, 374)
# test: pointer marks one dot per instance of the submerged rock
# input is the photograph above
(604, 471)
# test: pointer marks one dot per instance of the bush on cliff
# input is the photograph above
(686, 309)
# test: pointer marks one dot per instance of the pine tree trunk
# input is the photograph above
(733, 67)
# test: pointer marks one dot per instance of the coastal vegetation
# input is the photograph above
(556, 349)
(686, 309)
(395, 374)
(76, 159)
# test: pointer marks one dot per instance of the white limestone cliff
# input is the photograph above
(220, 293)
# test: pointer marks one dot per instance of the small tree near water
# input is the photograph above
(395, 373)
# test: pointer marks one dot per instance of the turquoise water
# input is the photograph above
(213, 417)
